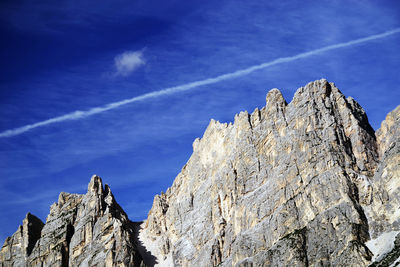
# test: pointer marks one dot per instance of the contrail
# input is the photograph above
(172, 90)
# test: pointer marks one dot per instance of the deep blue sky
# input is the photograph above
(57, 57)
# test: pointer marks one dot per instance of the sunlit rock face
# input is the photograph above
(81, 230)
(305, 183)
(301, 184)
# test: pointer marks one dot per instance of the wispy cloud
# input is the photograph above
(128, 62)
(172, 90)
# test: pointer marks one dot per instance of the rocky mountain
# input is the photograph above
(307, 183)
(81, 230)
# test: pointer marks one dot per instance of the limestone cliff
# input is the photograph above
(288, 185)
(81, 230)
(305, 183)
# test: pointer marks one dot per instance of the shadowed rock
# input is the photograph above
(18, 247)
(81, 230)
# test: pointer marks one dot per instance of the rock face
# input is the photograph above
(307, 183)
(18, 247)
(81, 230)
(385, 209)
(301, 184)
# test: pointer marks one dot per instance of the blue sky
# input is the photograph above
(60, 57)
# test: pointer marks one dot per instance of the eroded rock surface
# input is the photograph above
(18, 247)
(305, 183)
(287, 185)
(384, 211)
(81, 230)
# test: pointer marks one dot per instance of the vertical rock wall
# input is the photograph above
(284, 186)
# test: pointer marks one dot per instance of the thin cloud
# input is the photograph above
(76, 115)
(128, 62)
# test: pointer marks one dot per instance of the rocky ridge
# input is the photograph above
(305, 183)
(81, 230)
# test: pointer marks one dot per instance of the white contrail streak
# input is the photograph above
(172, 90)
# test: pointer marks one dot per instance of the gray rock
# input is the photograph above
(305, 183)
(18, 247)
(284, 186)
(81, 230)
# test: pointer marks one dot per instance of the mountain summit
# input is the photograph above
(305, 183)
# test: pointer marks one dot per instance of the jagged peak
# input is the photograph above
(276, 103)
(384, 134)
(213, 126)
(32, 227)
(391, 118)
(79, 230)
(271, 172)
(95, 185)
(318, 87)
(108, 195)
(63, 197)
(287, 180)
(313, 90)
(275, 97)
(30, 217)
(216, 123)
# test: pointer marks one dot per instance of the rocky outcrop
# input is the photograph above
(287, 185)
(384, 211)
(305, 183)
(81, 230)
(18, 247)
